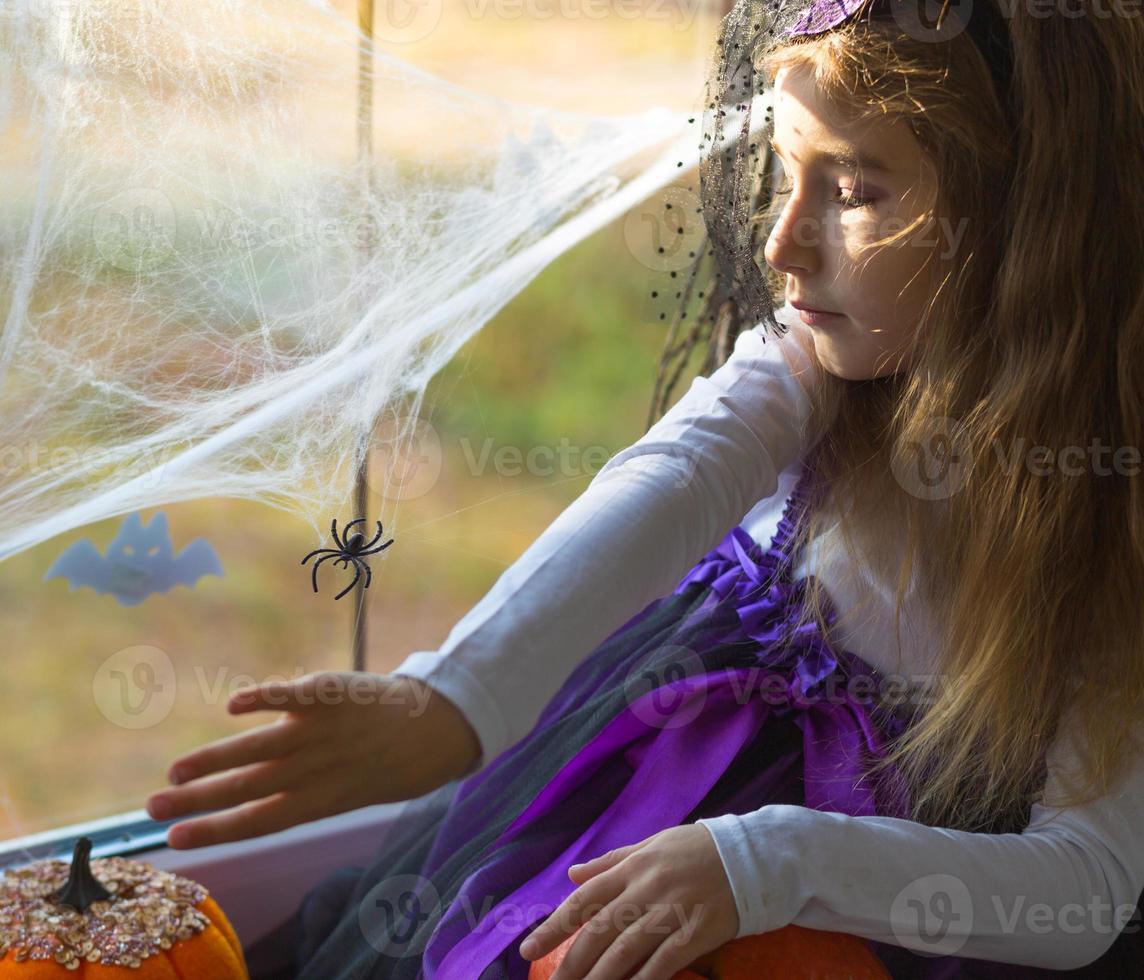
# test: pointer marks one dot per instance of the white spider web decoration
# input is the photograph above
(202, 294)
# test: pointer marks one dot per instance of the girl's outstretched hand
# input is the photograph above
(652, 909)
(342, 740)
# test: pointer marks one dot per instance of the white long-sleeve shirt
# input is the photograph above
(1055, 895)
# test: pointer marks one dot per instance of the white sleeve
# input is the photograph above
(1055, 895)
(650, 513)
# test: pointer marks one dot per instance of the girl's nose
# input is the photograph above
(792, 246)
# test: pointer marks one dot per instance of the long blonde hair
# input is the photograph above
(1034, 336)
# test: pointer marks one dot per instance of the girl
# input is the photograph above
(810, 718)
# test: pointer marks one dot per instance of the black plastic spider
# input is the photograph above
(351, 549)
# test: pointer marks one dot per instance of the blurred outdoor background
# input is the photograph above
(569, 362)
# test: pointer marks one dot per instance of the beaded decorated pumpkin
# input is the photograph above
(789, 953)
(112, 917)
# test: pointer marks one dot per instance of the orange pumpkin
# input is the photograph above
(789, 953)
(133, 920)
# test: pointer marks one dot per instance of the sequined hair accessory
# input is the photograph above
(980, 18)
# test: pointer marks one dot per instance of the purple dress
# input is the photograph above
(664, 723)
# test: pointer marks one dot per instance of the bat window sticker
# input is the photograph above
(350, 548)
(141, 560)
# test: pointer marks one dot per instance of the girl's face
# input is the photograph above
(850, 189)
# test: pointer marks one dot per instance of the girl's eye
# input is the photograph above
(847, 201)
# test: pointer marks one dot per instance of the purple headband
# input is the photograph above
(983, 21)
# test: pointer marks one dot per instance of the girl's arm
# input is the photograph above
(1055, 895)
(652, 511)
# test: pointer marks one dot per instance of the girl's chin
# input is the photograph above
(834, 361)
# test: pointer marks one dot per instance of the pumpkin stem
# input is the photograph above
(82, 888)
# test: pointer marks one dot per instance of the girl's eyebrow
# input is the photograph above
(842, 156)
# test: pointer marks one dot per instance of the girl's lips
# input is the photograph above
(817, 318)
(812, 309)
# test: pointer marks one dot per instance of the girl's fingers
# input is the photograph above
(230, 789)
(266, 816)
(597, 864)
(584, 903)
(245, 748)
(644, 943)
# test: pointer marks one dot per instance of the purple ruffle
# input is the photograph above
(768, 606)
(769, 602)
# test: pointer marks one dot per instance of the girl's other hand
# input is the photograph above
(342, 740)
(655, 906)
